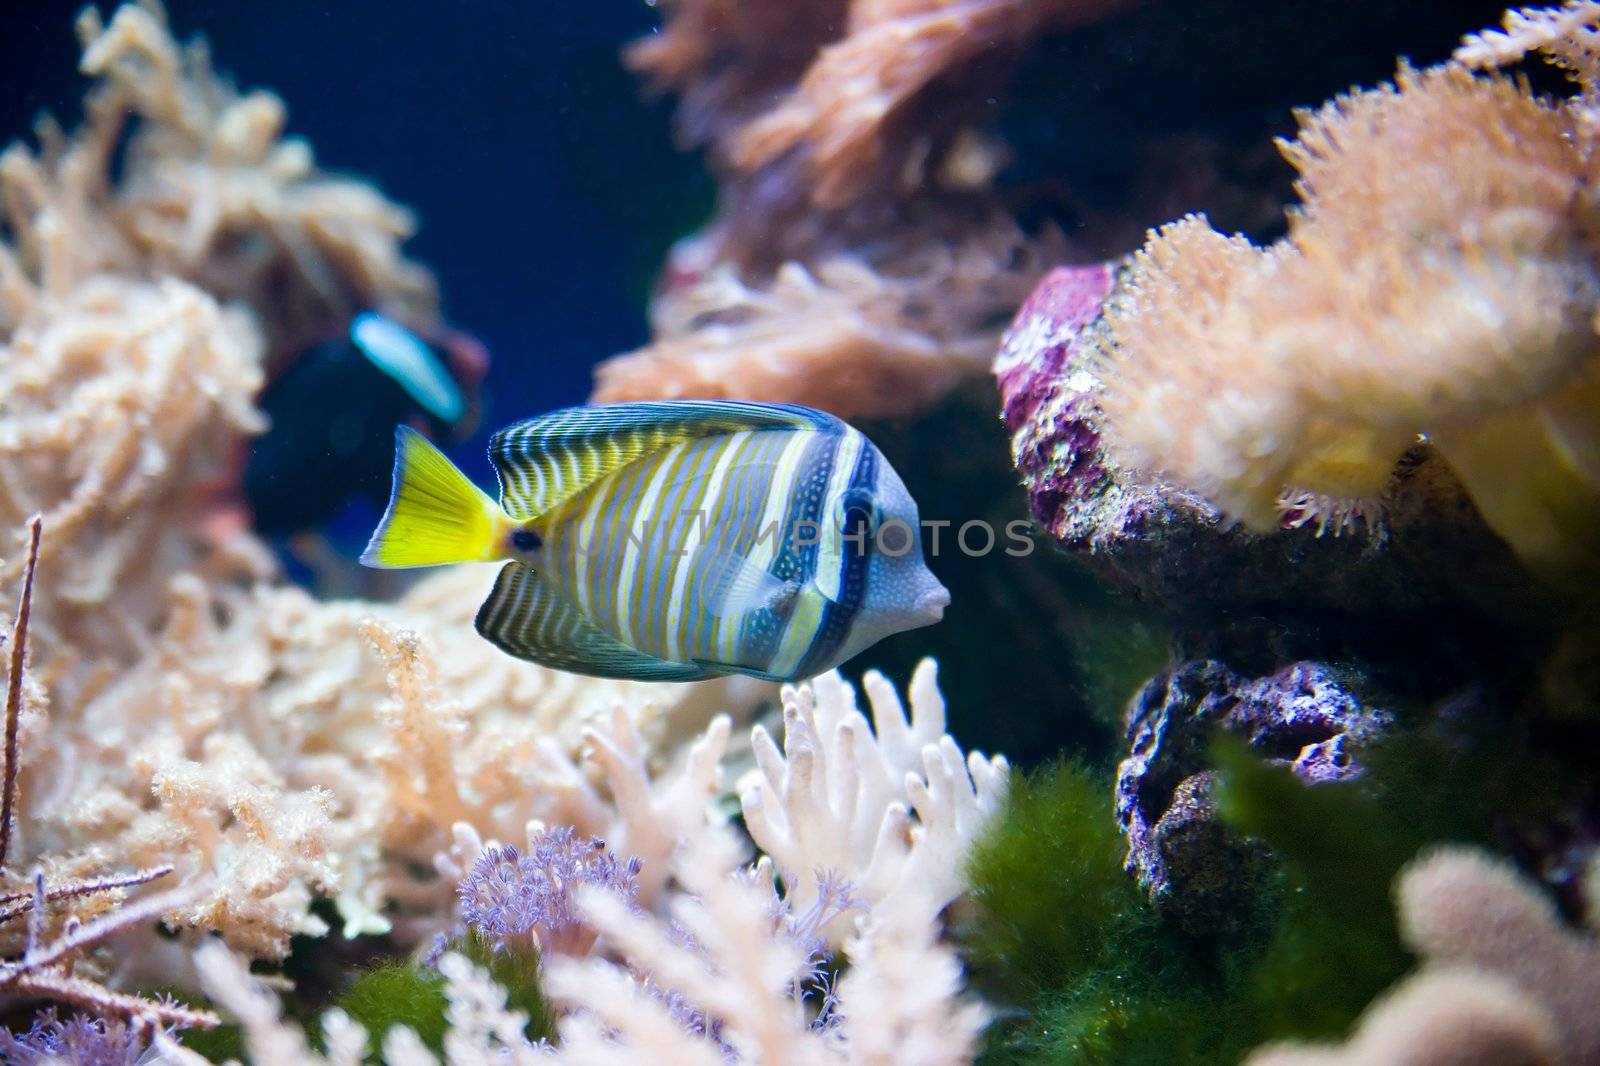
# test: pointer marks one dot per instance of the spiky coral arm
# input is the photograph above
(837, 800)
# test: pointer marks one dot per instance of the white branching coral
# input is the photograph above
(718, 982)
(719, 967)
(837, 801)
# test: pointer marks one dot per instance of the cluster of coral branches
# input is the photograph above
(859, 257)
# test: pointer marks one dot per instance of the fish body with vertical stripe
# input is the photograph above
(674, 541)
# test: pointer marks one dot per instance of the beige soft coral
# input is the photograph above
(1504, 980)
(1438, 280)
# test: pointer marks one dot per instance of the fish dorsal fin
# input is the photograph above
(528, 617)
(546, 460)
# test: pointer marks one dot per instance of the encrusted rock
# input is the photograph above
(1423, 548)
(1194, 867)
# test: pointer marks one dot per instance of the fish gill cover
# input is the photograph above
(1287, 634)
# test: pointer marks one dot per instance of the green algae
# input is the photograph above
(1083, 971)
(1067, 946)
(399, 993)
(403, 993)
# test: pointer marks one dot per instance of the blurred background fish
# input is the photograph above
(332, 408)
(674, 541)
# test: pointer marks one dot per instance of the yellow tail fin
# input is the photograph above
(435, 514)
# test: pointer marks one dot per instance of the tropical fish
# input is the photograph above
(674, 541)
(329, 408)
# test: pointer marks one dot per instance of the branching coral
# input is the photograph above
(208, 167)
(122, 400)
(44, 967)
(845, 335)
(850, 108)
(608, 791)
(1568, 36)
(125, 394)
(290, 746)
(837, 801)
(898, 1003)
(721, 969)
(1439, 279)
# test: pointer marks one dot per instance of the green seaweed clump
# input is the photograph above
(1084, 972)
(399, 993)
(1068, 947)
(403, 993)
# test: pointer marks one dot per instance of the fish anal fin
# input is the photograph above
(528, 617)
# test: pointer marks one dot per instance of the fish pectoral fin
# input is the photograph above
(546, 460)
(528, 617)
(736, 585)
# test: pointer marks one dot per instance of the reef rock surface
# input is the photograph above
(1420, 549)
(1196, 869)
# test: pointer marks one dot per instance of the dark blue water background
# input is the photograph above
(548, 189)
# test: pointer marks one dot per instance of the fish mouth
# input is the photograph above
(931, 604)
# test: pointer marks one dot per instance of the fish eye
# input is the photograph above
(859, 514)
(526, 540)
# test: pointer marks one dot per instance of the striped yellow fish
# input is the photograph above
(674, 541)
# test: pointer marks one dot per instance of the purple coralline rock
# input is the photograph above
(1421, 549)
(1196, 869)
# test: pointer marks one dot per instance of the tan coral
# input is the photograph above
(1443, 1018)
(848, 109)
(729, 58)
(1567, 36)
(1504, 980)
(848, 336)
(1460, 908)
(64, 917)
(208, 167)
(298, 747)
(120, 402)
(1439, 280)
(884, 299)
